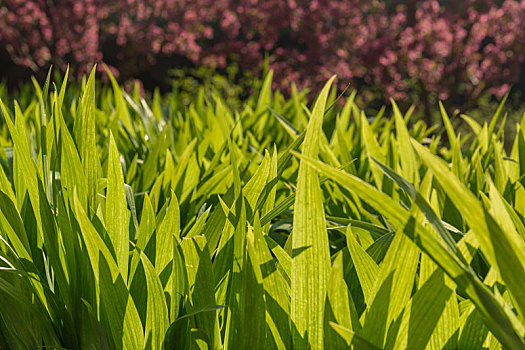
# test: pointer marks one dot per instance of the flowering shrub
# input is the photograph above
(454, 52)
(409, 48)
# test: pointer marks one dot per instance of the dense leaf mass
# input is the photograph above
(129, 224)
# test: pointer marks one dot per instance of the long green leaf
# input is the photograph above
(117, 214)
(310, 251)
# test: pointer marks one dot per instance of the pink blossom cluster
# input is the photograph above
(454, 51)
(36, 33)
(466, 47)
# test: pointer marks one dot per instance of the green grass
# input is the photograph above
(158, 224)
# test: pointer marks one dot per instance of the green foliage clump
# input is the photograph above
(129, 224)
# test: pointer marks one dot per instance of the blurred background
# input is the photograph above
(464, 53)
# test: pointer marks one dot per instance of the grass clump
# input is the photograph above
(128, 224)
